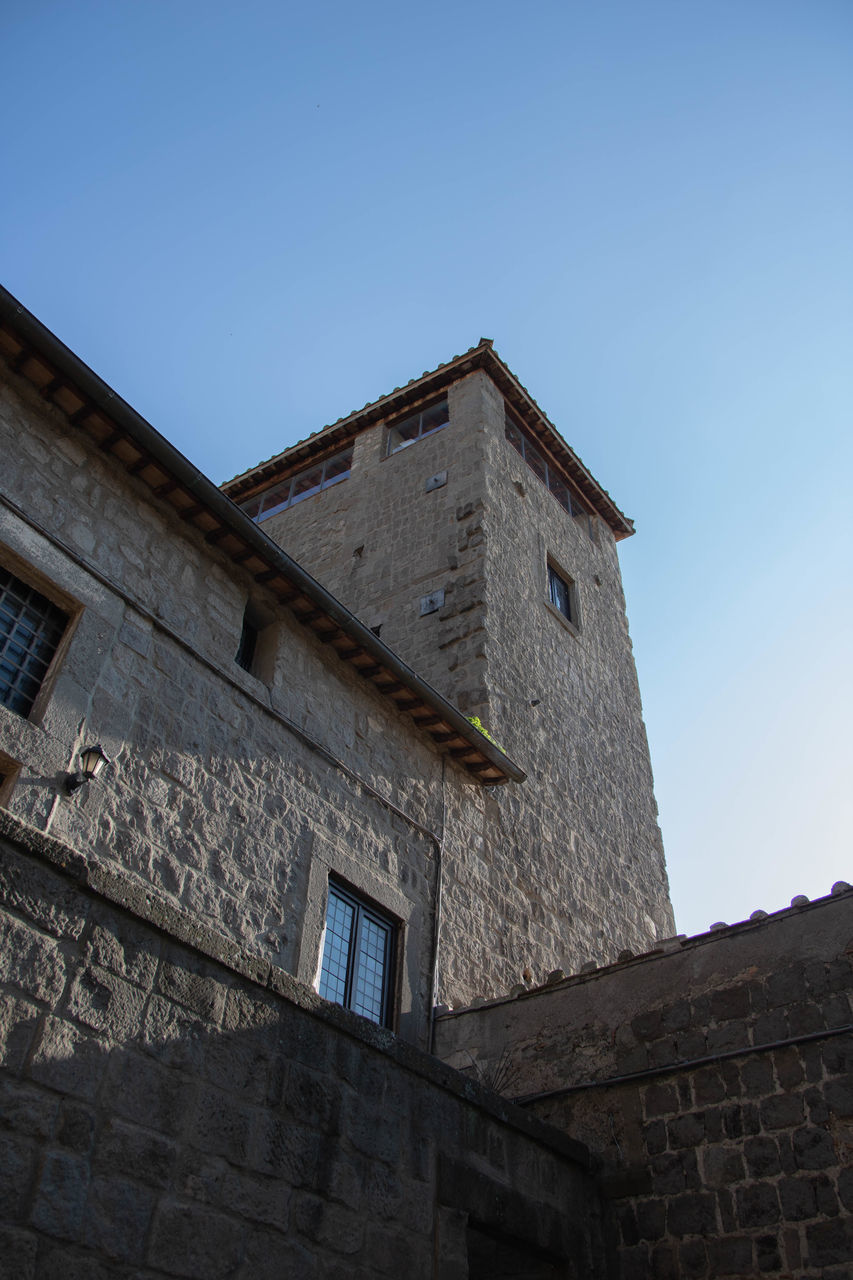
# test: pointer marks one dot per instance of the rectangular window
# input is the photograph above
(563, 596)
(322, 475)
(545, 471)
(418, 425)
(357, 956)
(31, 627)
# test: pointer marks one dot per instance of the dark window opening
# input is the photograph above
(357, 956)
(414, 428)
(31, 628)
(248, 645)
(298, 487)
(561, 593)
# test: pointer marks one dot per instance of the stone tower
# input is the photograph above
(452, 518)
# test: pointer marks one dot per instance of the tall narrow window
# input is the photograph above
(31, 628)
(245, 656)
(562, 595)
(357, 956)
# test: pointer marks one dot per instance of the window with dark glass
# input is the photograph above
(418, 425)
(561, 593)
(287, 493)
(357, 956)
(31, 627)
(547, 472)
(245, 656)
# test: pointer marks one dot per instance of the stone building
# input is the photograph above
(455, 521)
(296, 807)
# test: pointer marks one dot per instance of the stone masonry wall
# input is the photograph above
(171, 1105)
(381, 541)
(223, 793)
(566, 702)
(713, 1083)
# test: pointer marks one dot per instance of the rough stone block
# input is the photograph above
(106, 1004)
(189, 982)
(43, 896)
(730, 1256)
(813, 1148)
(762, 1157)
(124, 946)
(67, 1060)
(689, 1215)
(660, 1100)
(768, 1256)
(783, 1111)
(19, 1020)
(31, 961)
(117, 1216)
(692, 1259)
(195, 1242)
(271, 1256)
(829, 1242)
(151, 1095)
(221, 1126)
(757, 1205)
(17, 1254)
(75, 1127)
(722, 1166)
(127, 1149)
(686, 1131)
(17, 1171)
(61, 1196)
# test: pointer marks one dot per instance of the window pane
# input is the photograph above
(306, 484)
(559, 593)
(337, 468)
(514, 436)
(252, 508)
(370, 965)
(405, 434)
(559, 490)
(333, 973)
(535, 461)
(30, 630)
(435, 418)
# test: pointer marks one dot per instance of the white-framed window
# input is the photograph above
(358, 955)
(417, 425)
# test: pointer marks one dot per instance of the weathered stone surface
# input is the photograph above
(119, 1159)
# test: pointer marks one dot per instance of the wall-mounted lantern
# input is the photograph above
(90, 766)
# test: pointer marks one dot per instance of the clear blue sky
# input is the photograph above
(251, 219)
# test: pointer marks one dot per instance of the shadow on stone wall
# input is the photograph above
(165, 1115)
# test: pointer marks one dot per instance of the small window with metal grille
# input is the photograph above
(358, 956)
(31, 628)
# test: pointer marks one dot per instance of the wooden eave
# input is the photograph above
(419, 391)
(94, 410)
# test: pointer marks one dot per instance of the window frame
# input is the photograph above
(36, 581)
(418, 416)
(288, 484)
(570, 617)
(363, 910)
(554, 480)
